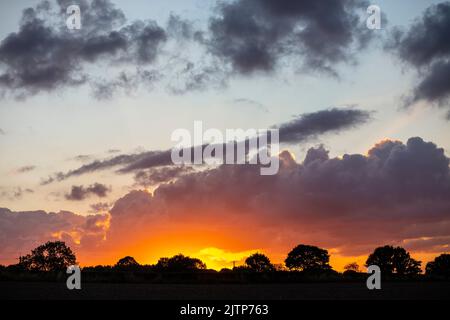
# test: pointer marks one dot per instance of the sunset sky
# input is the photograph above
(86, 118)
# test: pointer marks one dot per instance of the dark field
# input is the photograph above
(329, 290)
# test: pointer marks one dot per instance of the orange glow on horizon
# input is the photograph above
(218, 246)
(217, 258)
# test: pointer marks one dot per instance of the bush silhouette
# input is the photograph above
(308, 258)
(353, 266)
(127, 263)
(243, 268)
(259, 262)
(439, 267)
(180, 263)
(51, 256)
(394, 260)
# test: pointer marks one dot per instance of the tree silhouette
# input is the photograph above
(127, 263)
(51, 256)
(353, 266)
(308, 258)
(394, 260)
(259, 262)
(439, 267)
(180, 263)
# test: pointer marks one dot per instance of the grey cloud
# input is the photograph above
(2, 132)
(245, 36)
(82, 157)
(434, 86)
(79, 193)
(102, 164)
(44, 55)
(127, 82)
(26, 169)
(14, 193)
(195, 76)
(59, 176)
(100, 207)
(149, 160)
(256, 35)
(156, 176)
(425, 46)
(304, 127)
(182, 29)
(310, 125)
(426, 39)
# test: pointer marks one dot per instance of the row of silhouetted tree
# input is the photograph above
(55, 256)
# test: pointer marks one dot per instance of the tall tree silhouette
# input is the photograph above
(259, 262)
(394, 260)
(439, 267)
(308, 258)
(51, 256)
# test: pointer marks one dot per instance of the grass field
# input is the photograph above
(328, 290)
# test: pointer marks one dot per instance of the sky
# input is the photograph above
(86, 118)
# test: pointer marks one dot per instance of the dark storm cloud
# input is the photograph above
(435, 85)
(44, 55)
(243, 37)
(427, 38)
(255, 35)
(304, 127)
(79, 193)
(355, 202)
(311, 125)
(391, 171)
(426, 47)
